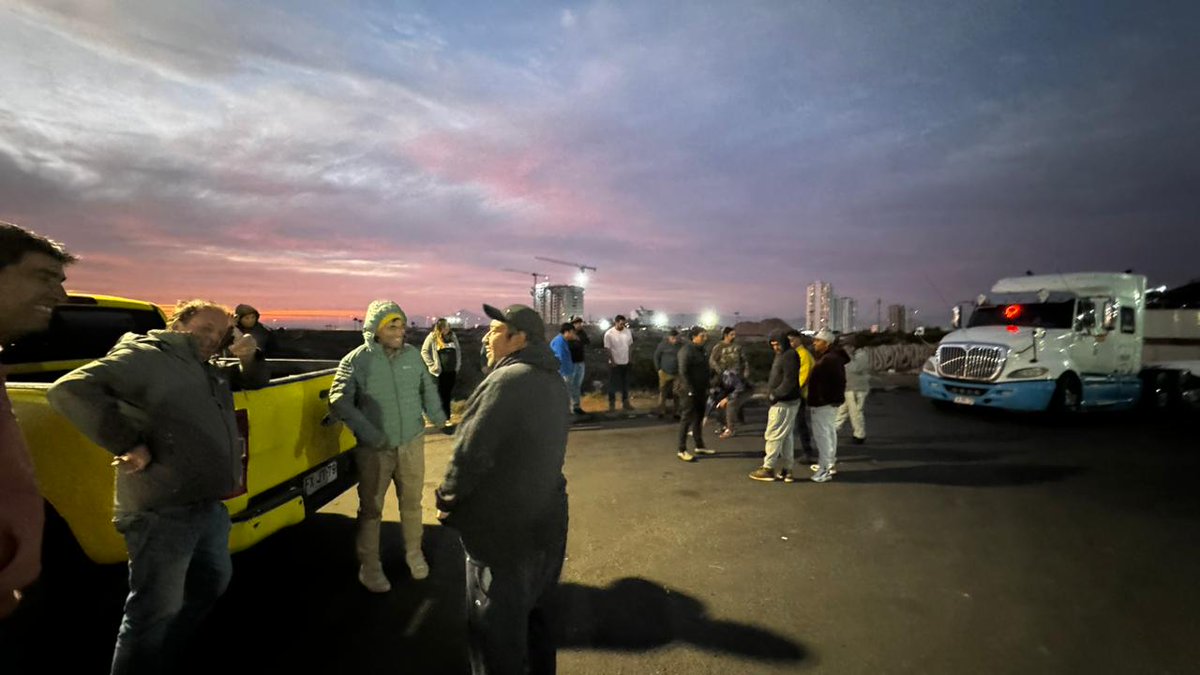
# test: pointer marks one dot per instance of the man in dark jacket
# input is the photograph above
(692, 388)
(666, 362)
(578, 345)
(166, 413)
(246, 322)
(826, 393)
(505, 493)
(783, 392)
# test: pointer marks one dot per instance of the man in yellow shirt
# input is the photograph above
(803, 428)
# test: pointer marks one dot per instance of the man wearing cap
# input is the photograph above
(783, 391)
(666, 361)
(505, 493)
(826, 393)
(379, 391)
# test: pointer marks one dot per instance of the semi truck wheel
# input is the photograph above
(1068, 395)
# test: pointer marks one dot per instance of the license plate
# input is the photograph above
(964, 400)
(320, 478)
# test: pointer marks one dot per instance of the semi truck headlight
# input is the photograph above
(930, 366)
(1027, 373)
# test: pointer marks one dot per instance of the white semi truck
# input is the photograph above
(1065, 342)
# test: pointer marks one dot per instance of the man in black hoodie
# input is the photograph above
(692, 385)
(783, 391)
(505, 493)
(826, 393)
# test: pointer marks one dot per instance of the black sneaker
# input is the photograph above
(858, 441)
(787, 476)
(579, 411)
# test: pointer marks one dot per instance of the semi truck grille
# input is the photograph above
(971, 362)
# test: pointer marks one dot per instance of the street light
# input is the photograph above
(581, 279)
(660, 320)
(709, 318)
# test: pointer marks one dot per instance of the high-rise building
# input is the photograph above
(847, 319)
(820, 307)
(558, 303)
(897, 319)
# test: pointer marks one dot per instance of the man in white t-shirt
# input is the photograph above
(618, 341)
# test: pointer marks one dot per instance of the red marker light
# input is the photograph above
(1013, 329)
(1012, 311)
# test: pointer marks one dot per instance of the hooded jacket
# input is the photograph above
(827, 385)
(381, 398)
(155, 390)
(429, 353)
(858, 371)
(504, 489)
(783, 385)
(260, 333)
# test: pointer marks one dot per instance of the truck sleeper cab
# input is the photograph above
(1053, 342)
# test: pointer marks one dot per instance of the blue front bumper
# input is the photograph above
(1028, 395)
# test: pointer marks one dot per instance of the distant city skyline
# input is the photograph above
(703, 156)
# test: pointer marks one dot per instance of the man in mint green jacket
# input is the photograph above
(380, 391)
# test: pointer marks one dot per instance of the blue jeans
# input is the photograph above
(179, 565)
(509, 621)
(575, 385)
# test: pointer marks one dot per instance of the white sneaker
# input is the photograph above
(817, 467)
(685, 456)
(373, 578)
(417, 565)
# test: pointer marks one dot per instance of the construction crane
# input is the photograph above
(535, 275)
(581, 279)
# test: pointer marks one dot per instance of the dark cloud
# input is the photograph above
(698, 153)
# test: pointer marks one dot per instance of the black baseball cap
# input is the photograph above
(521, 318)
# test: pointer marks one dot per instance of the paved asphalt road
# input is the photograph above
(954, 542)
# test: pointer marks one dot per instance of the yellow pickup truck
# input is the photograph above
(296, 456)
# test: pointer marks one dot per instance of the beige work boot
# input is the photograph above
(417, 565)
(373, 578)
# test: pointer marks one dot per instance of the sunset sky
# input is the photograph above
(311, 156)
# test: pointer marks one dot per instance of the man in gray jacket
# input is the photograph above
(858, 385)
(667, 363)
(166, 413)
(505, 493)
(380, 390)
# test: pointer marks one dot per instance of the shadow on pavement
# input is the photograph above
(957, 475)
(637, 614)
(910, 454)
